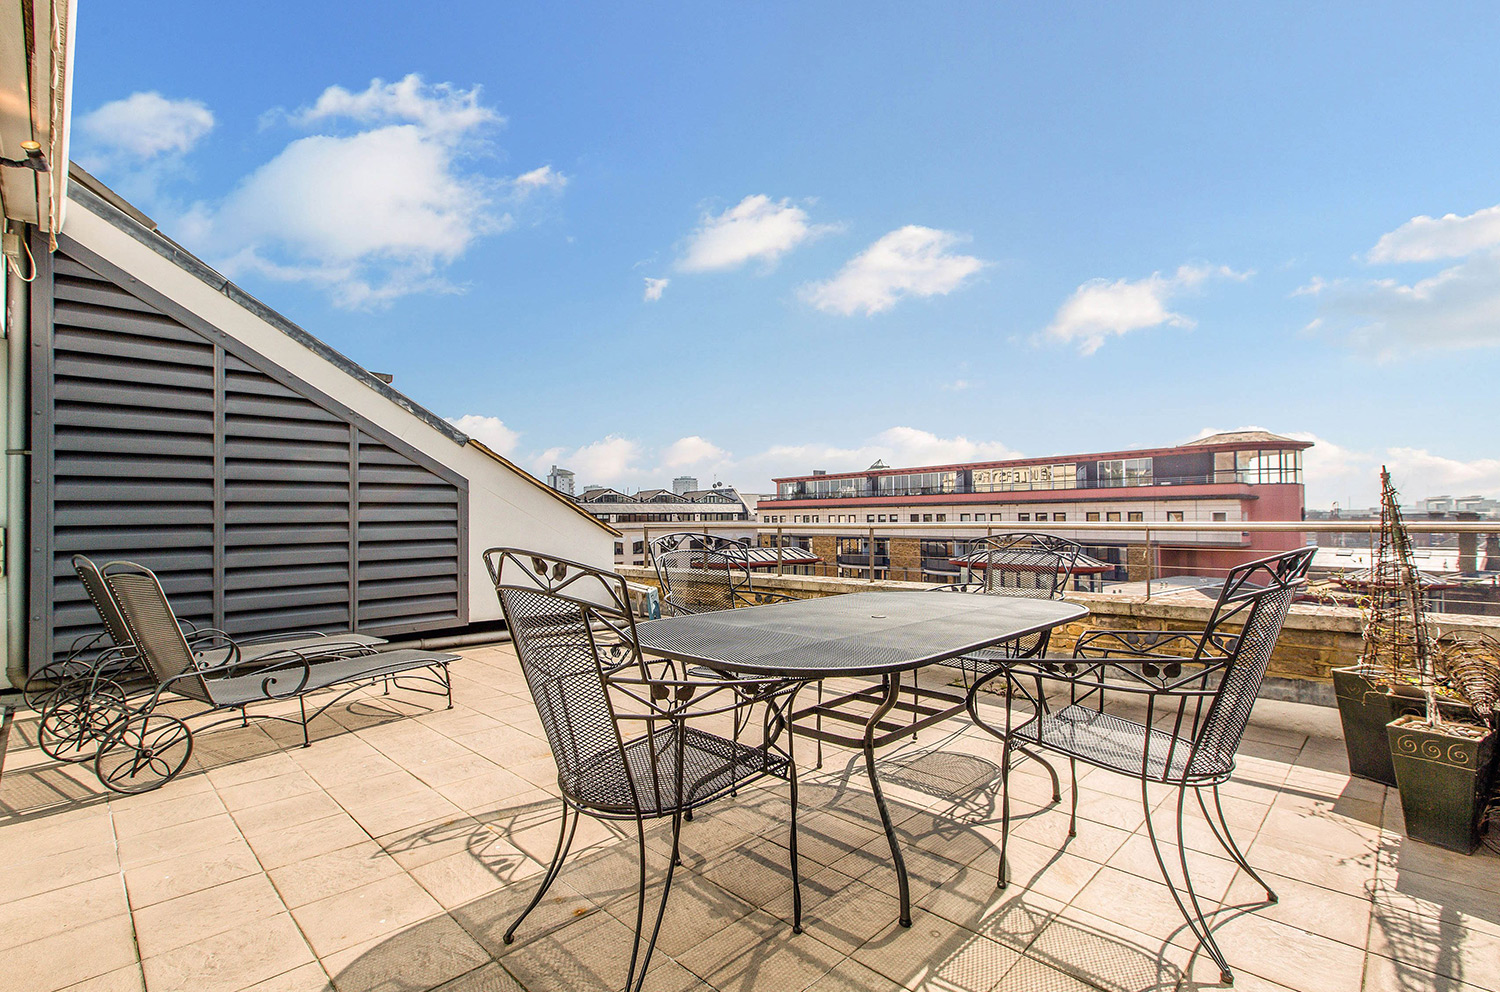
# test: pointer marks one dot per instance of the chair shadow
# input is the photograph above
(572, 942)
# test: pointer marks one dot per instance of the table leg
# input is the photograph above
(892, 694)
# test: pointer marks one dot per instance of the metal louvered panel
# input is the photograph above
(263, 504)
(408, 532)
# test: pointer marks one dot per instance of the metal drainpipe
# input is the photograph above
(450, 641)
(17, 341)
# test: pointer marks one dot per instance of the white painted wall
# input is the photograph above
(506, 507)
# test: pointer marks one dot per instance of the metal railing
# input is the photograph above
(1154, 566)
(1246, 477)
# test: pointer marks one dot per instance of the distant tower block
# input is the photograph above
(561, 480)
(684, 484)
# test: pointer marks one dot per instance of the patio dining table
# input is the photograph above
(871, 634)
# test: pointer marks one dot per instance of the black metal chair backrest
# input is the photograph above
(1035, 566)
(1256, 596)
(154, 629)
(701, 573)
(561, 614)
(109, 610)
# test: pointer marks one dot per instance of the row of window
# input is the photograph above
(1092, 516)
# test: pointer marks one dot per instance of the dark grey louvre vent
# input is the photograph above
(263, 504)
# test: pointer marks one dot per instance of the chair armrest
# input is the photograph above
(268, 669)
(1111, 643)
(1131, 676)
(758, 598)
(685, 698)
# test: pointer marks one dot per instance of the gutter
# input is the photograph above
(17, 340)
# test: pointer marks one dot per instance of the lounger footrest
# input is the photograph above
(323, 674)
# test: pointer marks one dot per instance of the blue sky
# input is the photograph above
(923, 232)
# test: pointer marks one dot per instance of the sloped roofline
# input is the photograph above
(108, 205)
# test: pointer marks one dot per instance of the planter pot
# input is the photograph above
(1444, 775)
(1365, 707)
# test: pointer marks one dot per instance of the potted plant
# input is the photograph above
(1391, 607)
(1444, 767)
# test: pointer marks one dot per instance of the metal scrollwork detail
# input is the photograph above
(1458, 753)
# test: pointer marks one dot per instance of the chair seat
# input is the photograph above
(1119, 744)
(240, 689)
(254, 652)
(712, 765)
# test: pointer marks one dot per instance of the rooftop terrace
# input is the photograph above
(392, 854)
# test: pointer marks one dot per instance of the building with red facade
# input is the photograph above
(1245, 476)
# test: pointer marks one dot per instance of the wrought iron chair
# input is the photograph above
(701, 573)
(620, 726)
(1022, 564)
(1197, 704)
(142, 747)
(105, 668)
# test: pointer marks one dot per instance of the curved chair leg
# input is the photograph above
(1226, 840)
(564, 841)
(639, 978)
(1073, 787)
(1194, 917)
(1003, 878)
(640, 899)
(796, 877)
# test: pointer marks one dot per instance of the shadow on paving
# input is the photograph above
(46, 786)
(575, 938)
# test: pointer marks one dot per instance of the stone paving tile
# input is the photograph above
(302, 882)
(363, 913)
(163, 926)
(61, 910)
(300, 841)
(70, 957)
(231, 961)
(406, 846)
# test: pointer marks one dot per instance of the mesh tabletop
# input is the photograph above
(867, 633)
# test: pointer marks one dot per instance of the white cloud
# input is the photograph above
(1425, 239)
(1458, 307)
(612, 461)
(691, 450)
(757, 228)
(1100, 308)
(654, 289)
(625, 463)
(439, 108)
(489, 431)
(957, 386)
(1427, 474)
(909, 261)
(373, 210)
(145, 125)
(899, 447)
(544, 178)
(1336, 473)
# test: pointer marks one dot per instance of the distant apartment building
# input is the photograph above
(663, 511)
(684, 484)
(561, 480)
(1244, 476)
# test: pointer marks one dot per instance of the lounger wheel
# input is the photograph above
(77, 720)
(143, 752)
(43, 685)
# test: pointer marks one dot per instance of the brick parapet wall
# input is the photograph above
(1314, 640)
